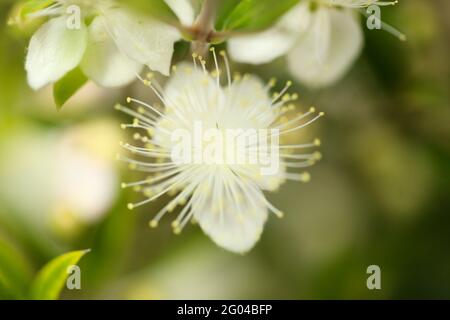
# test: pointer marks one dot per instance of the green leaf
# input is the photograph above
(111, 242)
(68, 86)
(33, 6)
(224, 10)
(155, 8)
(52, 277)
(15, 272)
(256, 14)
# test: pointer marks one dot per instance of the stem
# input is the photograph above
(207, 15)
(204, 26)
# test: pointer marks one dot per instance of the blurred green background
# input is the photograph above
(381, 194)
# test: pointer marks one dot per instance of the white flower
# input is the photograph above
(84, 171)
(59, 179)
(225, 197)
(111, 50)
(322, 38)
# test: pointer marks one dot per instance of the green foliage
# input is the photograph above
(32, 6)
(15, 272)
(253, 14)
(68, 86)
(224, 10)
(109, 244)
(156, 8)
(51, 278)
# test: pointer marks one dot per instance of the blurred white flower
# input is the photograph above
(322, 38)
(226, 198)
(84, 172)
(60, 180)
(111, 50)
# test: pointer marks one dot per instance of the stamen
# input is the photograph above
(279, 95)
(302, 177)
(227, 67)
(213, 50)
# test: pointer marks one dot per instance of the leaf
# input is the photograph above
(33, 6)
(15, 272)
(224, 10)
(156, 8)
(51, 278)
(68, 86)
(111, 242)
(256, 14)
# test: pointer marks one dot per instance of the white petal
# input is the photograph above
(144, 40)
(265, 46)
(239, 225)
(53, 51)
(183, 9)
(103, 62)
(326, 52)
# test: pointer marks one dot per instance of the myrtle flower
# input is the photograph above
(225, 197)
(109, 43)
(322, 38)
(68, 177)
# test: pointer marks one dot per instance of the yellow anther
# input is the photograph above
(153, 223)
(317, 142)
(130, 206)
(305, 177)
(317, 155)
(132, 166)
